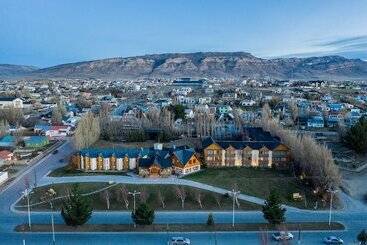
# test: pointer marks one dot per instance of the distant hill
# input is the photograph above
(7, 71)
(210, 64)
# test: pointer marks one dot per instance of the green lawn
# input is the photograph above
(258, 182)
(172, 202)
(68, 171)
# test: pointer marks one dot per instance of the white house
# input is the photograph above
(3, 177)
(248, 103)
(11, 102)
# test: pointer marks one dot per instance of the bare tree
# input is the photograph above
(106, 195)
(218, 199)
(198, 197)
(294, 110)
(144, 195)
(11, 114)
(181, 194)
(56, 116)
(314, 161)
(161, 199)
(87, 132)
(123, 196)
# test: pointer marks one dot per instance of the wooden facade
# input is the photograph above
(216, 156)
(192, 165)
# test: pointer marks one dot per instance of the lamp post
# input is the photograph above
(332, 192)
(134, 196)
(234, 196)
(48, 197)
(26, 193)
(52, 223)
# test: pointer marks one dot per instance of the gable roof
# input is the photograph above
(184, 155)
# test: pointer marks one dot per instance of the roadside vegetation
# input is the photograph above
(306, 226)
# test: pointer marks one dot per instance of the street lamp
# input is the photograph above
(26, 193)
(52, 223)
(48, 196)
(134, 195)
(332, 192)
(234, 196)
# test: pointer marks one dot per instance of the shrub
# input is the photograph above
(77, 209)
(144, 215)
(210, 221)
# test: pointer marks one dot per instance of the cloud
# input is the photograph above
(350, 46)
(354, 47)
(345, 42)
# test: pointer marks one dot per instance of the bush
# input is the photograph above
(210, 221)
(77, 209)
(144, 215)
(273, 211)
(362, 237)
(356, 136)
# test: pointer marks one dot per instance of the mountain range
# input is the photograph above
(202, 64)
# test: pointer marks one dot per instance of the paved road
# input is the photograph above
(354, 218)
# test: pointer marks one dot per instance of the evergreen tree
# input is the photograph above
(273, 211)
(210, 220)
(144, 215)
(356, 136)
(362, 237)
(77, 209)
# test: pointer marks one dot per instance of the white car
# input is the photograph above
(282, 236)
(333, 240)
(179, 241)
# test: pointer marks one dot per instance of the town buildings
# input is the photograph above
(152, 162)
(261, 150)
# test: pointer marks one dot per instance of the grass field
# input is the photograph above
(258, 182)
(68, 171)
(149, 194)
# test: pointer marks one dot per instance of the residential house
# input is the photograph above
(316, 122)
(185, 161)
(6, 155)
(248, 103)
(11, 102)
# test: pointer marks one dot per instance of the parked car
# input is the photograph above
(282, 236)
(179, 241)
(333, 240)
(55, 152)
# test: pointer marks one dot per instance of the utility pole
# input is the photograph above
(234, 196)
(134, 195)
(26, 193)
(52, 224)
(332, 192)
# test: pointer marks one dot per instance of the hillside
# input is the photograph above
(210, 64)
(8, 71)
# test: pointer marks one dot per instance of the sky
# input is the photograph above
(49, 32)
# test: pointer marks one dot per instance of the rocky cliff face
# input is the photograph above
(211, 64)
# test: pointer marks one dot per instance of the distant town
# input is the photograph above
(184, 144)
